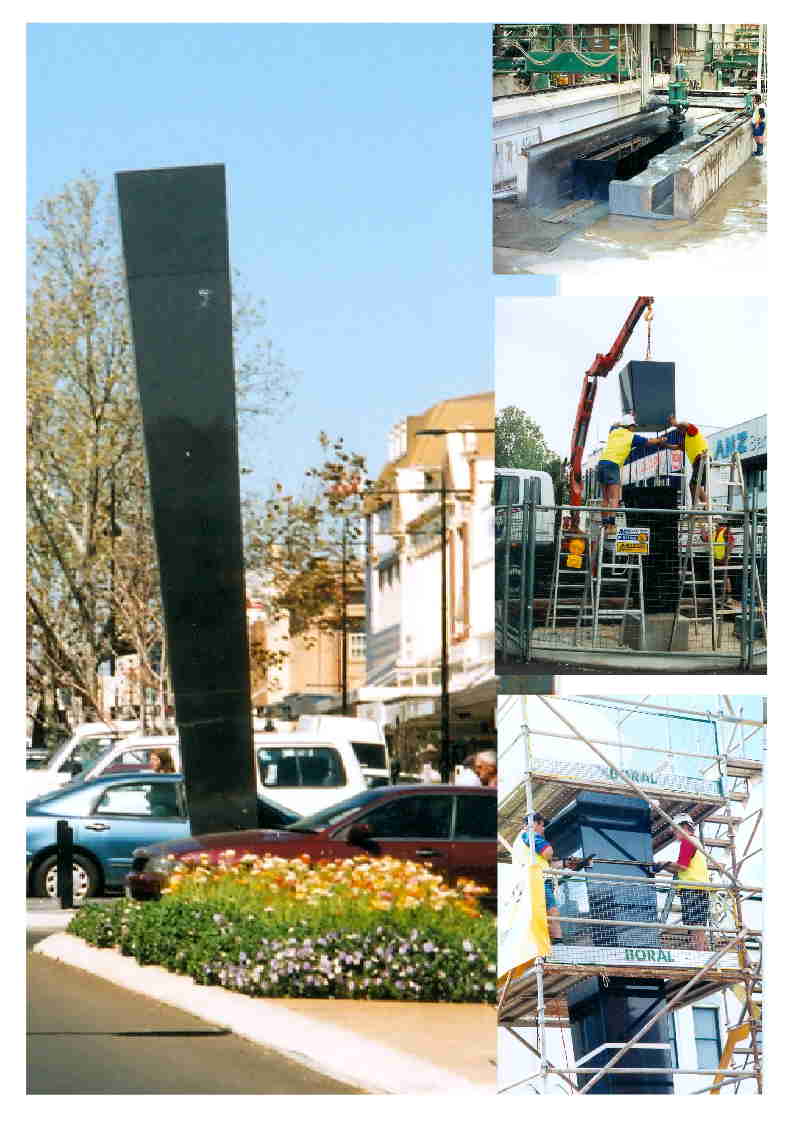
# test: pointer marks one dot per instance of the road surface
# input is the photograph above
(88, 1037)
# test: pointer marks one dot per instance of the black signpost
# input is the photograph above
(64, 873)
(175, 238)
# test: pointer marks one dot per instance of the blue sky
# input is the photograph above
(358, 171)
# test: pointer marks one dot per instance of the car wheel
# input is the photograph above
(85, 878)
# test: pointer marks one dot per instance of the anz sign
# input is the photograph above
(748, 440)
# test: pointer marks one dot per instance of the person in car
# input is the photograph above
(160, 761)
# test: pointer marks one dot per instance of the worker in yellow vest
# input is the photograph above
(696, 446)
(723, 542)
(691, 865)
(622, 440)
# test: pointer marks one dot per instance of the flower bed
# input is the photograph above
(358, 928)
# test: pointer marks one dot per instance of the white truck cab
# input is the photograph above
(75, 757)
(365, 736)
(515, 486)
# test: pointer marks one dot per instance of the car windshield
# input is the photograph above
(370, 754)
(335, 813)
(506, 490)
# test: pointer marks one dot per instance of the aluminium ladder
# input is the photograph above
(709, 605)
(611, 579)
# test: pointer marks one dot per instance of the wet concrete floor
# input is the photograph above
(727, 239)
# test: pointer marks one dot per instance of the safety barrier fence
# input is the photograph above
(680, 585)
(651, 918)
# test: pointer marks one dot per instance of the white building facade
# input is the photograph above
(404, 575)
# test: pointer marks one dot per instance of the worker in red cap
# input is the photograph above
(691, 865)
(696, 446)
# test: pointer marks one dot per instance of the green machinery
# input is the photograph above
(551, 49)
(678, 96)
(741, 56)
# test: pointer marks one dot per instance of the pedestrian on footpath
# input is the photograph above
(486, 768)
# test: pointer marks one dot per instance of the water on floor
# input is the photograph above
(726, 239)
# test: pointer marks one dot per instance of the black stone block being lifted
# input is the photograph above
(648, 392)
(173, 223)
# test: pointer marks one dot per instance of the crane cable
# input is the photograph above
(648, 316)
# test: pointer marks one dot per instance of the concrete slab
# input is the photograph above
(387, 1047)
(657, 633)
(541, 229)
(689, 174)
(703, 174)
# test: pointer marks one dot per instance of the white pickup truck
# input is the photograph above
(76, 755)
(302, 771)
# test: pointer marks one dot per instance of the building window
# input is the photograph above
(357, 645)
(388, 574)
(706, 1036)
(671, 1030)
(384, 519)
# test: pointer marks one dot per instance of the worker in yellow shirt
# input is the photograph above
(622, 440)
(545, 859)
(691, 865)
(696, 446)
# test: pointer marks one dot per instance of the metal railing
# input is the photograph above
(649, 917)
(696, 599)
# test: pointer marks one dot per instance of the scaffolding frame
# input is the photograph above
(517, 1006)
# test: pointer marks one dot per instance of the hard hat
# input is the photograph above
(627, 419)
(680, 819)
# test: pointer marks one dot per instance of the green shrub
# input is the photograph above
(221, 938)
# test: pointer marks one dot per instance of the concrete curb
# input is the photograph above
(44, 920)
(335, 1052)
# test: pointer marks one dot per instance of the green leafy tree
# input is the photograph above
(520, 443)
(307, 548)
(93, 586)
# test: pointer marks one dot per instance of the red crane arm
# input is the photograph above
(599, 369)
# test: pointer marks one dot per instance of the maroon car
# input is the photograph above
(451, 828)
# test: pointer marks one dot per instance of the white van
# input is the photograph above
(365, 736)
(515, 486)
(76, 755)
(303, 772)
(307, 772)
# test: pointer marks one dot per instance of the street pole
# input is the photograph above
(344, 667)
(112, 621)
(446, 760)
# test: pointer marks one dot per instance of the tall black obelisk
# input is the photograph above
(175, 236)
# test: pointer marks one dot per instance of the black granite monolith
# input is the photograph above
(174, 229)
